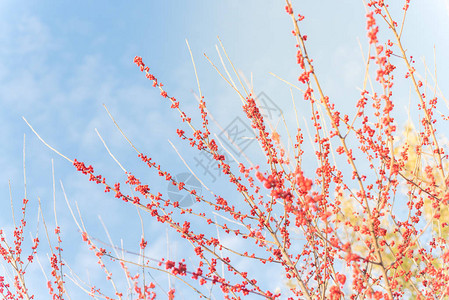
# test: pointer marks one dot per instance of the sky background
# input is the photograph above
(61, 61)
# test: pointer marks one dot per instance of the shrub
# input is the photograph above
(370, 221)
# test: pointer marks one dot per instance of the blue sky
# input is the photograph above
(60, 61)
